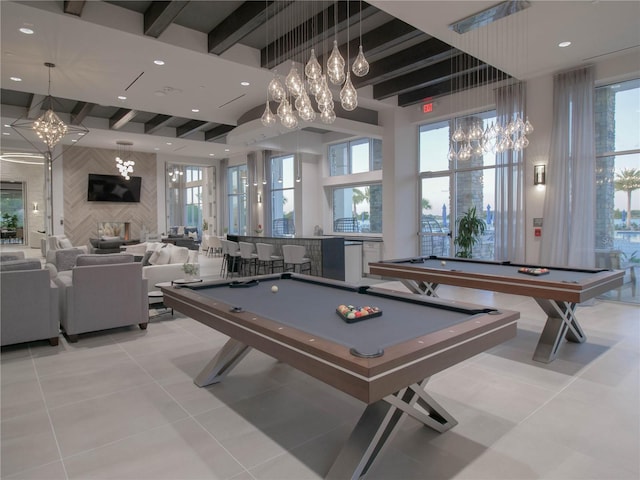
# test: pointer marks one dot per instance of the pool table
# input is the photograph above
(384, 361)
(557, 291)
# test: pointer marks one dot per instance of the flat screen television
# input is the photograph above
(113, 188)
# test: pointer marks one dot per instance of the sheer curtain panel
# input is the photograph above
(510, 206)
(569, 207)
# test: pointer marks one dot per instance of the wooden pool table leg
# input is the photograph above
(421, 288)
(225, 360)
(561, 323)
(378, 425)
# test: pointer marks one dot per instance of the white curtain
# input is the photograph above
(510, 206)
(224, 201)
(568, 236)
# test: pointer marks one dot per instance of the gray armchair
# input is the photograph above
(28, 303)
(102, 292)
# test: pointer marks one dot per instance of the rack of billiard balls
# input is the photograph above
(351, 314)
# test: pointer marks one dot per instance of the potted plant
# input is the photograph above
(205, 226)
(191, 270)
(259, 229)
(469, 228)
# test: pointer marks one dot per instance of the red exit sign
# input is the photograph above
(427, 107)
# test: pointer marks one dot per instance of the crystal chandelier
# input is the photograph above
(49, 128)
(295, 92)
(124, 164)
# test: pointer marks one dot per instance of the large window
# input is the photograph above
(357, 209)
(356, 156)
(282, 196)
(237, 199)
(449, 187)
(185, 195)
(356, 203)
(617, 117)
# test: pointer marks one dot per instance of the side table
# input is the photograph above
(156, 301)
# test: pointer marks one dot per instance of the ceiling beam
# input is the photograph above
(377, 42)
(156, 123)
(190, 127)
(80, 112)
(36, 105)
(244, 20)
(488, 75)
(121, 118)
(312, 31)
(421, 55)
(74, 7)
(217, 132)
(160, 15)
(440, 72)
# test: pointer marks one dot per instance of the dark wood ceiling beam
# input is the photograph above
(312, 31)
(80, 112)
(121, 118)
(421, 55)
(74, 7)
(244, 19)
(156, 123)
(378, 41)
(190, 127)
(440, 72)
(413, 97)
(36, 105)
(160, 15)
(217, 132)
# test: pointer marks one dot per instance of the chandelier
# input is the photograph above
(124, 164)
(48, 128)
(509, 131)
(295, 92)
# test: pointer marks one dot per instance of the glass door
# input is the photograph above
(435, 216)
(12, 212)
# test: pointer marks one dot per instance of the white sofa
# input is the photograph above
(59, 242)
(164, 268)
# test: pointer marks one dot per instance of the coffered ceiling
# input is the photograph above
(196, 101)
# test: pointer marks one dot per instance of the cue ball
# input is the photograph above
(274, 289)
(443, 263)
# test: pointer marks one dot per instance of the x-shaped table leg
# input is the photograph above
(421, 288)
(561, 323)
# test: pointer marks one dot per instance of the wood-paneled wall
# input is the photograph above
(81, 217)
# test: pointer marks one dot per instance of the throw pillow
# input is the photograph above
(147, 256)
(179, 255)
(164, 256)
(181, 230)
(102, 259)
(153, 246)
(65, 243)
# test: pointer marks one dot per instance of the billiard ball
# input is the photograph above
(274, 289)
(443, 263)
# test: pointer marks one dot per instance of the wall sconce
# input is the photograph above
(35, 207)
(259, 197)
(539, 177)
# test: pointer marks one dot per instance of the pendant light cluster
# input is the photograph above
(495, 138)
(124, 164)
(294, 94)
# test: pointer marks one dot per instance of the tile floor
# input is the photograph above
(121, 404)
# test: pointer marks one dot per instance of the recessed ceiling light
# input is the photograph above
(121, 97)
(245, 84)
(159, 62)
(16, 79)
(195, 110)
(212, 154)
(6, 133)
(74, 139)
(156, 148)
(169, 143)
(7, 125)
(564, 44)
(27, 31)
(226, 149)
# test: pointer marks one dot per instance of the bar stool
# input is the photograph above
(248, 256)
(231, 252)
(294, 256)
(266, 258)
